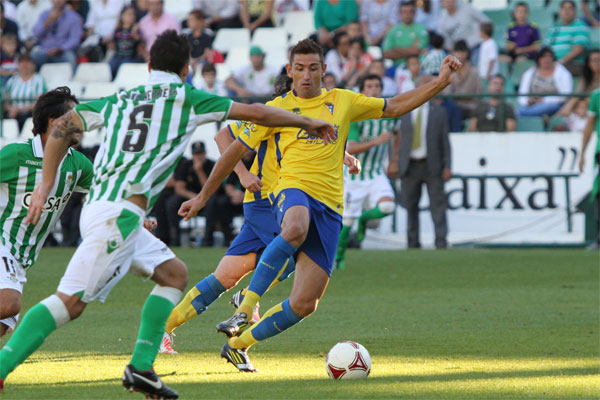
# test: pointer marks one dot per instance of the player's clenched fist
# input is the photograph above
(191, 208)
(448, 68)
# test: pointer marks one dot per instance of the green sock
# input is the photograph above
(155, 313)
(35, 327)
(373, 213)
(342, 243)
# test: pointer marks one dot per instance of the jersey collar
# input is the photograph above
(36, 144)
(159, 77)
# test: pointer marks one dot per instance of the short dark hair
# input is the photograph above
(306, 46)
(369, 77)
(170, 52)
(337, 37)
(522, 4)
(360, 40)
(197, 13)
(543, 51)
(408, 3)
(499, 76)
(562, 3)
(208, 67)
(52, 104)
(435, 40)
(487, 28)
(461, 45)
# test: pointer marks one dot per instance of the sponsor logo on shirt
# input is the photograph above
(53, 203)
(309, 139)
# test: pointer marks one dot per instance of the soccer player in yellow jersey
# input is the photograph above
(308, 197)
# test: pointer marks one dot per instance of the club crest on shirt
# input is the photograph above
(329, 107)
(296, 110)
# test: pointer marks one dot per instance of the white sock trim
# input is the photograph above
(347, 221)
(170, 293)
(57, 309)
(387, 207)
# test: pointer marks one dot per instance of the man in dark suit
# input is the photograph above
(424, 158)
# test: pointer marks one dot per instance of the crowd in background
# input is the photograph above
(550, 53)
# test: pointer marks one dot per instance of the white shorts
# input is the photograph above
(114, 241)
(12, 276)
(357, 191)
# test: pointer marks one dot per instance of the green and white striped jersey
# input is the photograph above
(20, 173)
(147, 131)
(375, 160)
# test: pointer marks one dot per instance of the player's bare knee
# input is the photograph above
(294, 233)
(171, 273)
(304, 307)
(10, 307)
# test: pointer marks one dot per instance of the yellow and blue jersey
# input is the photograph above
(305, 162)
(266, 162)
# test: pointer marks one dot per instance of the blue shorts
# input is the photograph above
(259, 229)
(324, 229)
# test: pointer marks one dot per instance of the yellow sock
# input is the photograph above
(246, 339)
(247, 306)
(183, 312)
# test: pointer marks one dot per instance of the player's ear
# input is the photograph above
(288, 69)
(184, 72)
(324, 68)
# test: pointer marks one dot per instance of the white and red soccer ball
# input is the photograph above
(348, 360)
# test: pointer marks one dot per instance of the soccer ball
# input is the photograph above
(348, 360)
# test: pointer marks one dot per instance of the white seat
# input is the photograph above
(490, 5)
(131, 75)
(223, 71)
(56, 72)
(276, 58)
(228, 38)
(375, 52)
(10, 129)
(96, 90)
(237, 57)
(76, 87)
(179, 8)
(205, 133)
(93, 72)
(269, 38)
(299, 24)
(27, 131)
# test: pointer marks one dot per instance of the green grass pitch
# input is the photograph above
(438, 324)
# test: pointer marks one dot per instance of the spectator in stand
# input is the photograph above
(125, 41)
(466, 81)
(428, 14)
(7, 25)
(407, 38)
(523, 37)
(460, 21)
(58, 32)
(141, 9)
(577, 119)
(329, 81)
(10, 10)
(569, 39)
(208, 81)
(283, 7)
(433, 59)
(488, 59)
(81, 7)
(102, 20)
(156, 22)
(21, 91)
(592, 16)
(331, 15)
(390, 89)
(256, 14)
(407, 76)
(358, 63)
(256, 79)
(160, 212)
(547, 76)
(376, 19)
(338, 55)
(28, 12)
(589, 82)
(200, 38)
(8, 56)
(220, 14)
(494, 115)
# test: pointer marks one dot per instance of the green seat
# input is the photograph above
(530, 124)
(500, 18)
(518, 68)
(595, 38)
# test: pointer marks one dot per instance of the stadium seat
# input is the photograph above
(237, 57)
(96, 90)
(276, 58)
(227, 38)
(56, 72)
(223, 71)
(375, 52)
(179, 8)
(205, 133)
(500, 17)
(93, 72)
(299, 24)
(270, 38)
(10, 129)
(490, 5)
(594, 38)
(518, 68)
(131, 75)
(530, 124)
(27, 131)
(76, 87)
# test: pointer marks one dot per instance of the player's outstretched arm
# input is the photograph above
(66, 131)
(220, 171)
(273, 116)
(249, 181)
(408, 101)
